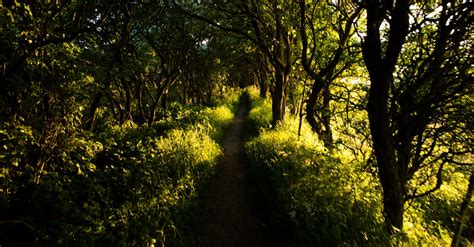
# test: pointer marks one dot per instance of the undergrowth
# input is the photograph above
(321, 197)
(126, 185)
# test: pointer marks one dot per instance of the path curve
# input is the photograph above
(229, 216)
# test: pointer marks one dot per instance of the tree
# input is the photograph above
(418, 61)
(152, 49)
(171, 38)
(42, 81)
(463, 215)
(28, 32)
(326, 54)
(262, 73)
(269, 26)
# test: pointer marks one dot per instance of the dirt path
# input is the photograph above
(229, 217)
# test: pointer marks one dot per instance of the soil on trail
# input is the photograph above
(229, 215)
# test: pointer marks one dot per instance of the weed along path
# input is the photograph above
(229, 216)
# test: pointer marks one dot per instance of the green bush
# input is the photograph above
(127, 185)
(260, 112)
(229, 97)
(313, 193)
(321, 197)
(317, 198)
(159, 188)
(431, 219)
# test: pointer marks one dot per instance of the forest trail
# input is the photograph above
(229, 214)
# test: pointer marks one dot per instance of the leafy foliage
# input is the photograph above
(111, 117)
(127, 185)
(321, 197)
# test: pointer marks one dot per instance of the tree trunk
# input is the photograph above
(164, 101)
(90, 122)
(278, 97)
(262, 85)
(128, 100)
(388, 172)
(385, 151)
(381, 65)
(311, 105)
(326, 135)
(263, 91)
(141, 107)
(461, 219)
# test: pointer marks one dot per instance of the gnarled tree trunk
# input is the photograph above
(381, 64)
(462, 215)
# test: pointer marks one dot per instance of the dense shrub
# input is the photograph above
(317, 197)
(321, 197)
(126, 185)
(260, 112)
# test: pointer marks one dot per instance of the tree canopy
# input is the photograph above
(91, 90)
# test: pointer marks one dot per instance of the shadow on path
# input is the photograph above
(229, 216)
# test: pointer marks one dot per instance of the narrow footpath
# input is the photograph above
(229, 216)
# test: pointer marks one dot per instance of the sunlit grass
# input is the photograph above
(326, 197)
(315, 191)
(127, 184)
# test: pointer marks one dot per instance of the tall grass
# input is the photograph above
(320, 197)
(127, 185)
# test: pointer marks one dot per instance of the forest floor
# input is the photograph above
(229, 216)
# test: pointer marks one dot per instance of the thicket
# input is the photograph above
(125, 185)
(407, 61)
(91, 91)
(322, 197)
(110, 119)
